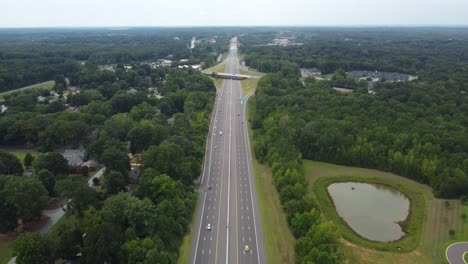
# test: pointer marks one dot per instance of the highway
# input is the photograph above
(227, 216)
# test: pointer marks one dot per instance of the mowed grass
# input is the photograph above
(221, 67)
(218, 82)
(6, 249)
(278, 239)
(45, 85)
(435, 223)
(21, 153)
(248, 85)
(251, 72)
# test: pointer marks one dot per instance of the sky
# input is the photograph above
(117, 13)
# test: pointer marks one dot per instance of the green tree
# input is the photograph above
(28, 195)
(140, 137)
(8, 216)
(10, 164)
(452, 232)
(28, 159)
(53, 162)
(77, 192)
(32, 248)
(114, 182)
(101, 243)
(116, 159)
(48, 180)
(69, 239)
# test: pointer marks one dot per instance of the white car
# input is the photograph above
(208, 227)
(220, 133)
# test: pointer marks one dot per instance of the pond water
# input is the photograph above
(371, 210)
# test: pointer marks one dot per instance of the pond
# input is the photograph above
(371, 210)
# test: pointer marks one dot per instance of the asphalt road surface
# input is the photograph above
(455, 252)
(228, 201)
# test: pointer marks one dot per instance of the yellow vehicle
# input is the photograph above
(246, 248)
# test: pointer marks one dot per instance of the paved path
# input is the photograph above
(98, 175)
(456, 252)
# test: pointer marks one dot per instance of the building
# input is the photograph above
(74, 89)
(134, 174)
(166, 63)
(3, 109)
(197, 67)
(132, 91)
(310, 72)
(40, 98)
(378, 76)
(73, 109)
(75, 157)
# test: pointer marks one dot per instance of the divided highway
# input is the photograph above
(227, 226)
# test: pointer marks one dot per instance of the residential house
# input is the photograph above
(75, 157)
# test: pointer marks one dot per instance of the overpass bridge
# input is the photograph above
(233, 76)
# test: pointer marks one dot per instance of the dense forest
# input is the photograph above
(123, 221)
(32, 56)
(432, 54)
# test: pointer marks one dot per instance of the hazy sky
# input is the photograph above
(54, 13)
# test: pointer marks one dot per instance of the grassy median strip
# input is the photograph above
(277, 237)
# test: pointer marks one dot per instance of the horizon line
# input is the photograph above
(243, 26)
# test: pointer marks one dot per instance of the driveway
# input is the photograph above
(98, 175)
(456, 251)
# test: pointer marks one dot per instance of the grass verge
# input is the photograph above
(277, 237)
(248, 85)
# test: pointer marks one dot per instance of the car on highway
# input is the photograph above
(209, 187)
(246, 248)
(208, 227)
(220, 133)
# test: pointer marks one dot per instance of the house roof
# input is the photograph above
(74, 156)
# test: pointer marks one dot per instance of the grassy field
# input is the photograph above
(21, 153)
(45, 85)
(5, 249)
(277, 237)
(436, 220)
